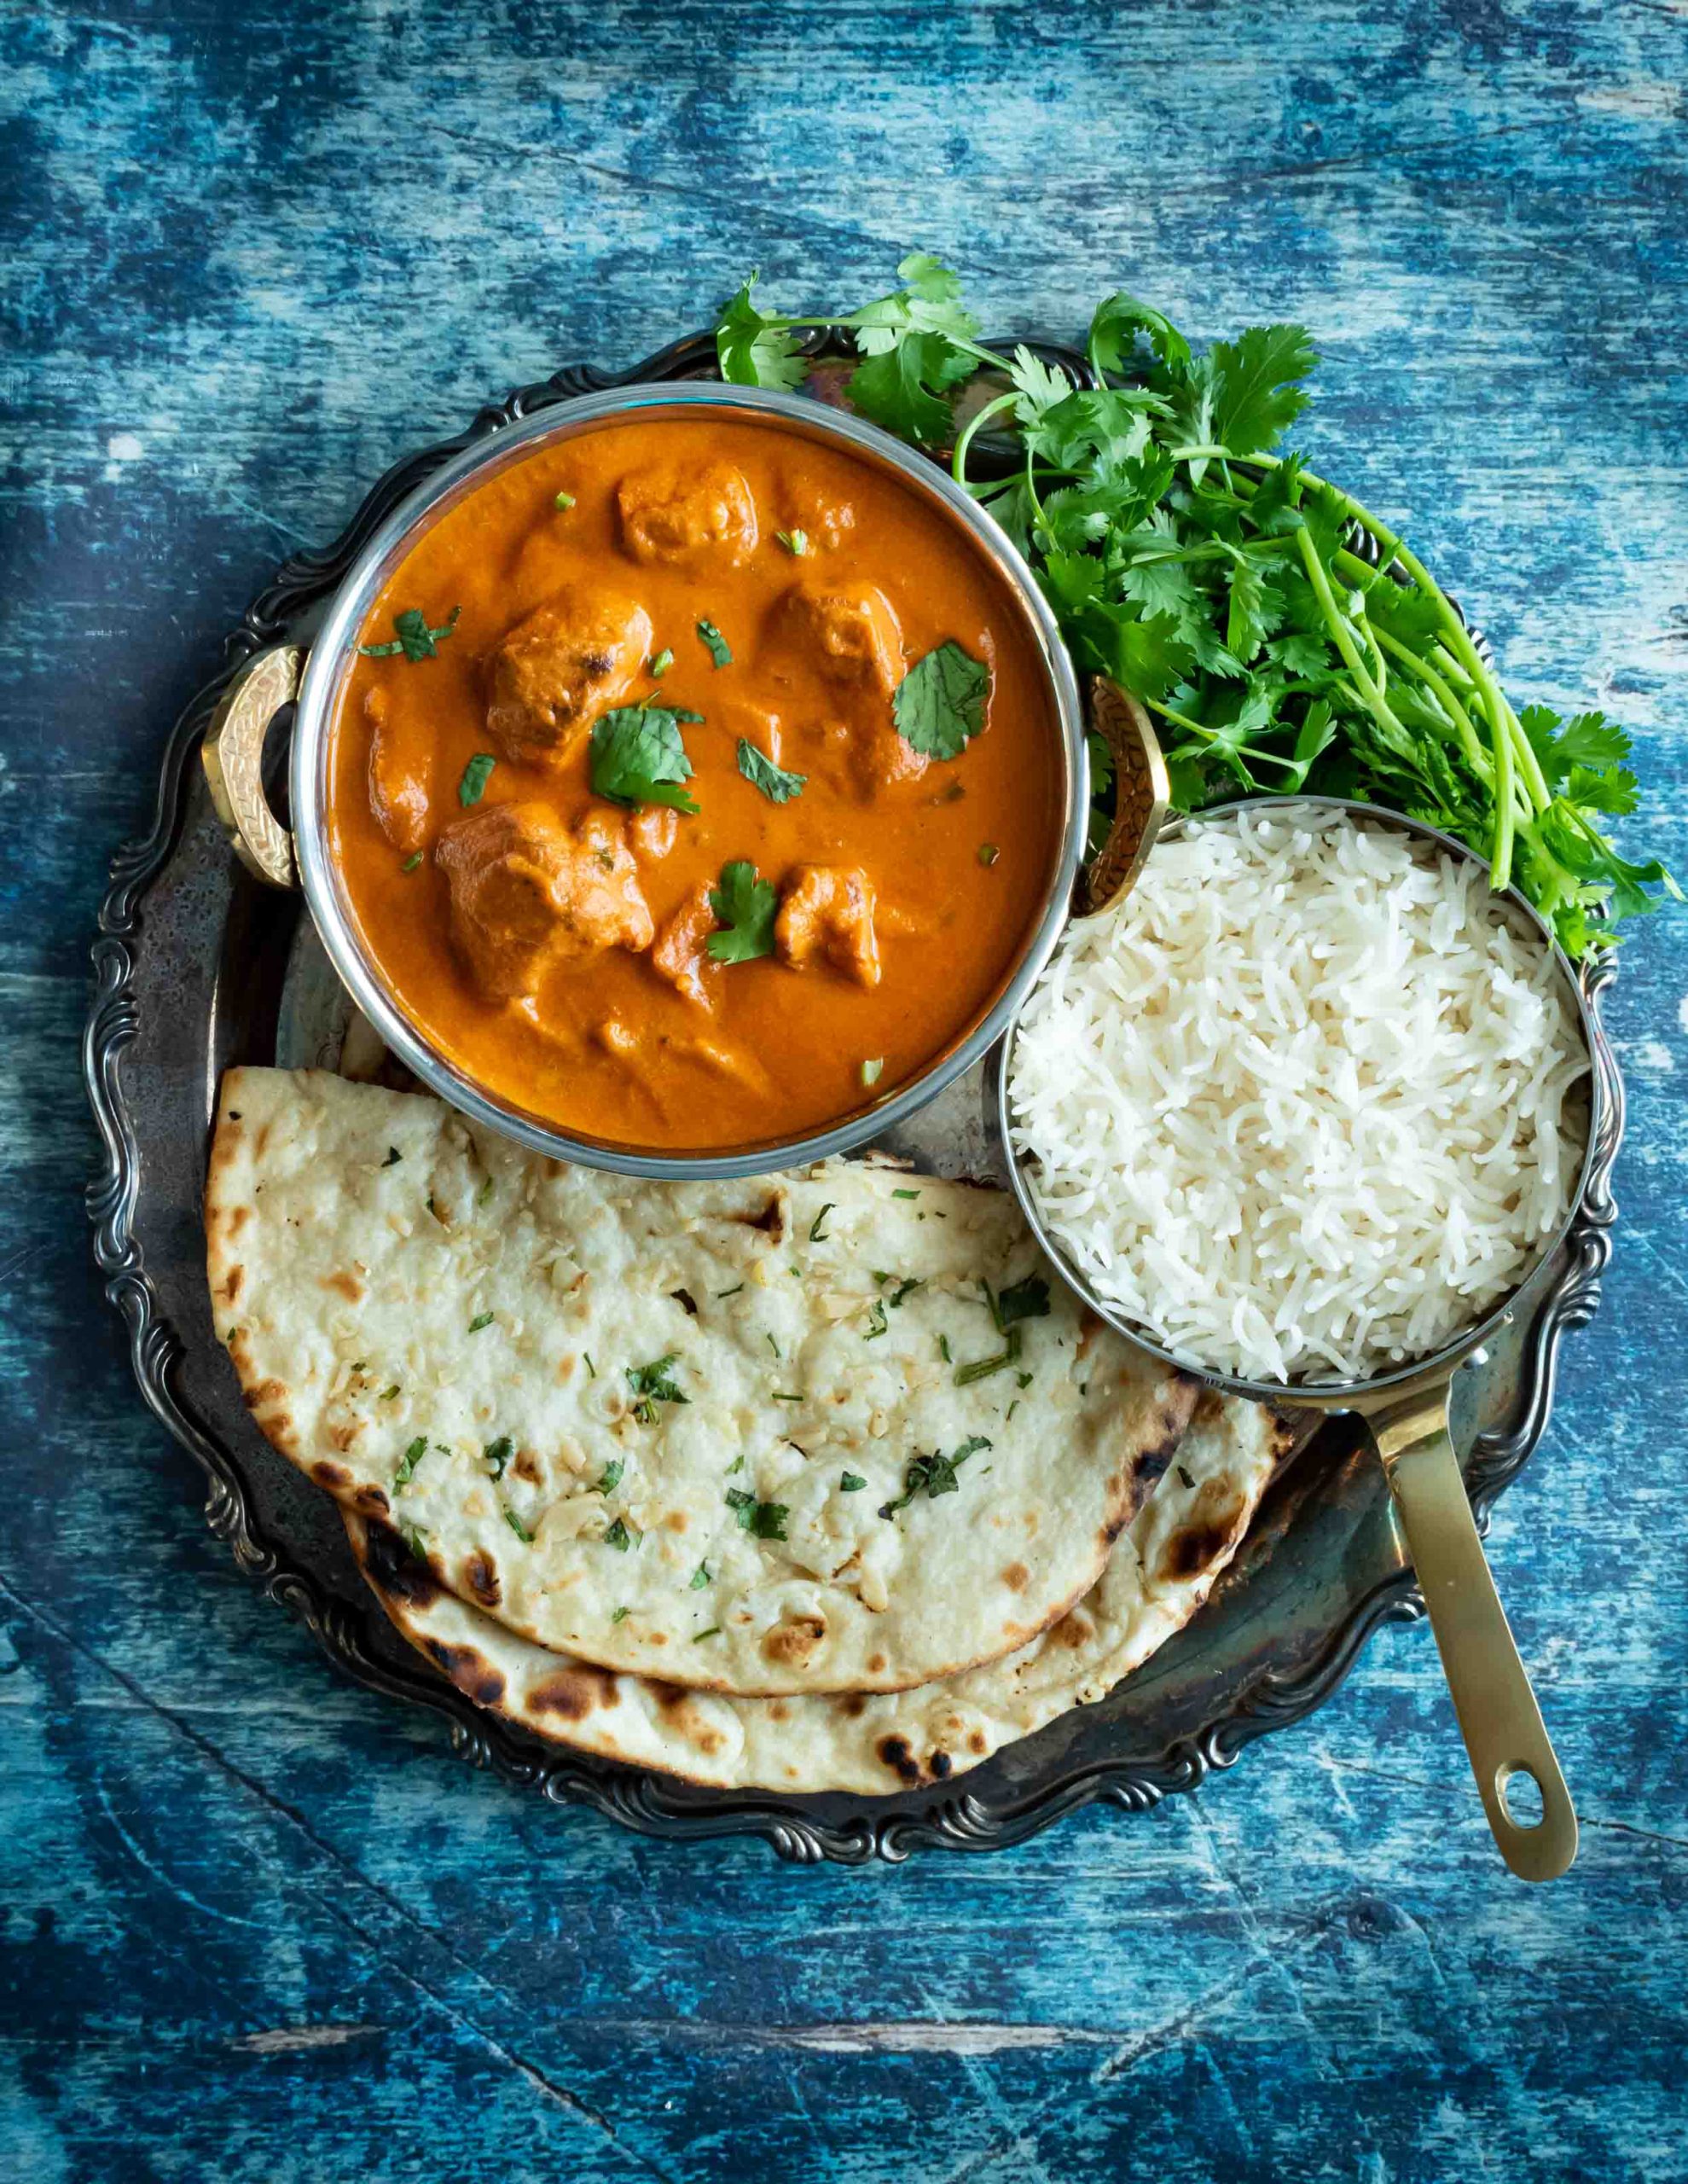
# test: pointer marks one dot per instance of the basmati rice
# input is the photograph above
(1306, 1105)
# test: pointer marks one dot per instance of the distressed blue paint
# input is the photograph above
(255, 1925)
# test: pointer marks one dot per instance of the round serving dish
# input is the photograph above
(194, 959)
(1470, 1340)
(333, 651)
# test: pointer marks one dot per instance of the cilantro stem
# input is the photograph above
(1474, 756)
(1342, 632)
(964, 439)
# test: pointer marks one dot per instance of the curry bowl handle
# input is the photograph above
(1498, 1718)
(233, 757)
(1142, 793)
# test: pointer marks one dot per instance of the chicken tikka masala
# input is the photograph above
(695, 784)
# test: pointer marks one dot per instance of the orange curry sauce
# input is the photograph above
(565, 1012)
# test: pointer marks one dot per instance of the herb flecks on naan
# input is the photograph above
(826, 1432)
(1158, 1577)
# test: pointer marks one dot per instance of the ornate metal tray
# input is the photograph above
(197, 966)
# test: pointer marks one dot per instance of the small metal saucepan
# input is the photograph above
(234, 750)
(1405, 1412)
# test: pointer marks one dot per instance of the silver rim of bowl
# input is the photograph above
(1439, 1363)
(329, 660)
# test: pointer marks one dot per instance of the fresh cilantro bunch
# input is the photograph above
(1246, 602)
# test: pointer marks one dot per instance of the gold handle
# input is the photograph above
(1142, 794)
(1498, 1718)
(233, 757)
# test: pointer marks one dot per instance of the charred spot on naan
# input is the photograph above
(478, 1579)
(397, 1574)
(574, 1692)
(473, 1674)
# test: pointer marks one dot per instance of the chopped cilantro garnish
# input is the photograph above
(638, 758)
(733, 1291)
(654, 1384)
(934, 1474)
(484, 1191)
(988, 853)
(562, 501)
(411, 862)
(817, 1234)
(476, 776)
(480, 1319)
(762, 1519)
(1026, 1300)
(714, 1631)
(774, 1345)
(1184, 1476)
(872, 1071)
(745, 907)
(781, 1395)
(591, 1369)
(618, 1536)
(760, 771)
(415, 1539)
(940, 703)
(877, 1320)
(518, 1527)
(610, 1478)
(906, 1287)
(1022, 1380)
(719, 650)
(796, 542)
(394, 1156)
(498, 1454)
(413, 1456)
(983, 1368)
(660, 662)
(944, 1348)
(621, 1615)
(905, 1194)
(701, 1577)
(388, 1394)
(737, 1464)
(852, 1483)
(415, 640)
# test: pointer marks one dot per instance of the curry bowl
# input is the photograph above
(733, 651)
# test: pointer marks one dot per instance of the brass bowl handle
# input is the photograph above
(1498, 1718)
(1142, 793)
(233, 755)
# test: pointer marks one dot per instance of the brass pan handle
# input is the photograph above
(1142, 793)
(233, 755)
(1498, 1718)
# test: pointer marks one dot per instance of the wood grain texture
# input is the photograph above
(255, 1925)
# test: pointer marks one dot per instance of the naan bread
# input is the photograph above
(708, 1432)
(1159, 1576)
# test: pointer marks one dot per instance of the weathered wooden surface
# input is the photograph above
(254, 1923)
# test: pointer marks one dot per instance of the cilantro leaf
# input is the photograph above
(761, 1519)
(755, 350)
(638, 758)
(719, 650)
(1025, 1300)
(476, 776)
(929, 302)
(1257, 394)
(939, 704)
(761, 772)
(1114, 330)
(906, 389)
(415, 639)
(654, 1384)
(745, 907)
(934, 1474)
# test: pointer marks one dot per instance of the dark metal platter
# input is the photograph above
(197, 967)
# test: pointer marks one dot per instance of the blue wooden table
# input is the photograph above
(255, 1923)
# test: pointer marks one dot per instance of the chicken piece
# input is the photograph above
(681, 951)
(653, 833)
(526, 895)
(827, 911)
(555, 672)
(848, 630)
(688, 518)
(399, 793)
(851, 633)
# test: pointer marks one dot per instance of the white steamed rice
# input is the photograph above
(1303, 1106)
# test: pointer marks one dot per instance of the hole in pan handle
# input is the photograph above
(1505, 1737)
(233, 757)
(1142, 793)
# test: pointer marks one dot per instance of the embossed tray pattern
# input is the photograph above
(190, 960)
